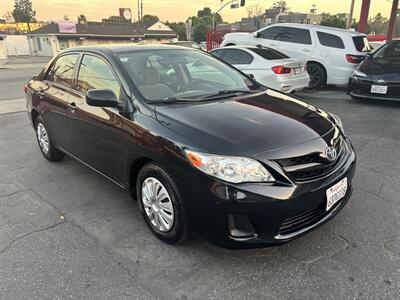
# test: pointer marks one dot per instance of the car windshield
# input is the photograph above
(389, 51)
(182, 75)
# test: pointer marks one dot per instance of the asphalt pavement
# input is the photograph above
(67, 232)
(12, 81)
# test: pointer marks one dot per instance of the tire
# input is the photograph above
(179, 227)
(317, 75)
(46, 146)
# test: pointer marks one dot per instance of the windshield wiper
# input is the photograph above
(224, 93)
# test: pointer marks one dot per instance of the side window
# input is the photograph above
(236, 57)
(273, 33)
(217, 53)
(62, 70)
(297, 35)
(95, 73)
(330, 40)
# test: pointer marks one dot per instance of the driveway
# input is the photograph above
(66, 232)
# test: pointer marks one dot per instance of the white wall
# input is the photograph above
(17, 45)
(3, 51)
(42, 45)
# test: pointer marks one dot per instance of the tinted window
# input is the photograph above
(236, 57)
(330, 40)
(389, 51)
(273, 33)
(361, 43)
(217, 53)
(94, 73)
(63, 69)
(269, 54)
(297, 35)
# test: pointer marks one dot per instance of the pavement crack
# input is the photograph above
(20, 237)
(13, 193)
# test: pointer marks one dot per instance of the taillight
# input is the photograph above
(354, 59)
(281, 70)
(25, 88)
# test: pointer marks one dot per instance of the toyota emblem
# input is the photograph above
(380, 81)
(330, 153)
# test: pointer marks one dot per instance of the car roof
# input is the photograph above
(322, 28)
(118, 48)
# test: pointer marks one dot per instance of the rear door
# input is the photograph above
(297, 43)
(57, 89)
(97, 132)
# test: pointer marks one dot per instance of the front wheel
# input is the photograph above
(162, 207)
(45, 144)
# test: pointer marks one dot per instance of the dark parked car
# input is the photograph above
(378, 77)
(203, 147)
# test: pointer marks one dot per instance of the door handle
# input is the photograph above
(72, 107)
(274, 45)
(306, 50)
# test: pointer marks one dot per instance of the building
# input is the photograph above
(54, 37)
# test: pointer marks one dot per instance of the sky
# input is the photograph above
(179, 10)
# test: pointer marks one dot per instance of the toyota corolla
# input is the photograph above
(202, 147)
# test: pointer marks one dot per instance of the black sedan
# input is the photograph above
(201, 146)
(378, 76)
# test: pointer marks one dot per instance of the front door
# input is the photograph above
(56, 90)
(97, 132)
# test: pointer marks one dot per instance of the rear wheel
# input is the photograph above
(317, 75)
(161, 205)
(45, 144)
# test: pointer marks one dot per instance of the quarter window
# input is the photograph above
(330, 40)
(95, 73)
(62, 70)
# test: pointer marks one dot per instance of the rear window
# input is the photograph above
(236, 57)
(330, 40)
(361, 43)
(269, 54)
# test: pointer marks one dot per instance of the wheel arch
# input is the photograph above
(34, 115)
(134, 170)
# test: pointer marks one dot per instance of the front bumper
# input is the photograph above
(362, 89)
(253, 215)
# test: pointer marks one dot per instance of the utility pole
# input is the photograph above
(138, 10)
(141, 10)
(350, 20)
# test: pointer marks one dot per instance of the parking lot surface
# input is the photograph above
(67, 232)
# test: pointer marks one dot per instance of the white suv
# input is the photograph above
(331, 53)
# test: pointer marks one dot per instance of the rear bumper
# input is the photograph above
(288, 85)
(253, 215)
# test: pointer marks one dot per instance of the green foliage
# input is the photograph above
(179, 28)
(333, 21)
(150, 19)
(82, 19)
(206, 11)
(23, 11)
(377, 25)
(200, 28)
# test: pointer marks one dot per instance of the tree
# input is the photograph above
(282, 5)
(254, 11)
(82, 19)
(200, 30)
(377, 25)
(206, 11)
(150, 19)
(179, 28)
(66, 18)
(333, 21)
(23, 12)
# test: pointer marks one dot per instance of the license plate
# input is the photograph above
(379, 89)
(335, 193)
(297, 71)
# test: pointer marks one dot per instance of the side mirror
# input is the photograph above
(101, 98)
(251, 76)
(258, 35)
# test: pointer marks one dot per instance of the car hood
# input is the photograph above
(385, 69)
(246, 125)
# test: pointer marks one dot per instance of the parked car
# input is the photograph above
(189, 44)
(268, 66)
(331, 53)
(378, 77)
(214, 153)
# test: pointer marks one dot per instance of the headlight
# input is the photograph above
(358, 73)
(230, 168)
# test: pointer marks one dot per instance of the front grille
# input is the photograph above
(303, 220)
(313, 165)
(364, 88)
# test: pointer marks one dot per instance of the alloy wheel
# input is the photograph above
(157, 204)
(43, 138)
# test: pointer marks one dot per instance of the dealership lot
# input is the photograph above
(67, 232)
